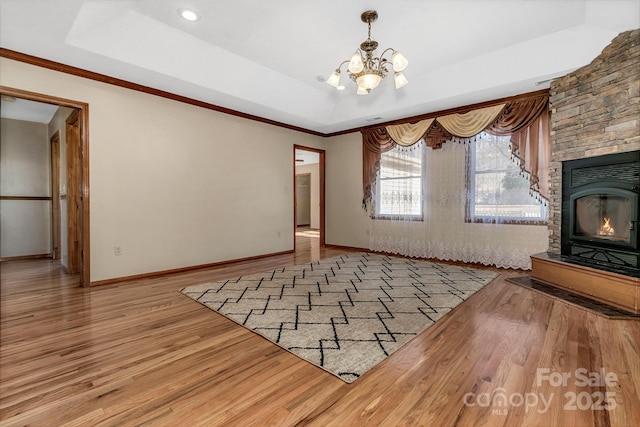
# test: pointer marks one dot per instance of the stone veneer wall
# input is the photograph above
(595, 110)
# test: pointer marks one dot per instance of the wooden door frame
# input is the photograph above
(54, 146)
(73, 125)
(321, 173)
(83, 107)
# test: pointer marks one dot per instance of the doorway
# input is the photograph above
(309, 193)
(77, 189)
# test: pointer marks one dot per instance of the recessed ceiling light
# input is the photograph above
(341, 87)
(189, 14)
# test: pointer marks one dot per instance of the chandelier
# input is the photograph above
(365, 69)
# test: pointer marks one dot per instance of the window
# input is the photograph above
(497, 190)
(399, 183)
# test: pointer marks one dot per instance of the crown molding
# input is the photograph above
(79, 72)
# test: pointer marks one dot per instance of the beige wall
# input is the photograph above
(24, 171)
(347, 223)
(172, 184)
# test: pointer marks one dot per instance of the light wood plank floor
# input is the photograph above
(140, 353)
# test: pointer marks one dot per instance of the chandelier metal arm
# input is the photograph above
(385, 51)
(341, 64)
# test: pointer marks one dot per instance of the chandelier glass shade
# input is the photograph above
(368, 70)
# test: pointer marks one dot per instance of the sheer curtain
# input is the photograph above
(398, 202)
(443, 233)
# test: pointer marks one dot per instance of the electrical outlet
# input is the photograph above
(117, 250)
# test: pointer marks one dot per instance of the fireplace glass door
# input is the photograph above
(603, 216)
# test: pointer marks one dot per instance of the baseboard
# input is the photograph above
(25, 257)
(183, 269)
(350, 248)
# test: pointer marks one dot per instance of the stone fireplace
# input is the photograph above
(595, 111)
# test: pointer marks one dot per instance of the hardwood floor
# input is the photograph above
(141, 353)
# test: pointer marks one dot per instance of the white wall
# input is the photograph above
(25, 225)
(314, 171)
(172, 184)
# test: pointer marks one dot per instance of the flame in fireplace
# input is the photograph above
(606, 229)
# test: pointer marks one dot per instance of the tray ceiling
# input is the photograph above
(270, 58)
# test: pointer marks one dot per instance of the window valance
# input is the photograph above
(409, 133)
(525, 119)
(472, 123)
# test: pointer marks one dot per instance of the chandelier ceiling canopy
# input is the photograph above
(368, 70)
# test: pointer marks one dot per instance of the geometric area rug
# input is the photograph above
(347, 313)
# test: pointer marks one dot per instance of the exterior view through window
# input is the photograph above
(498, 191)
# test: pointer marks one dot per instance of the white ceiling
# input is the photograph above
(29, 111)
(305, 157)
(265, 57)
